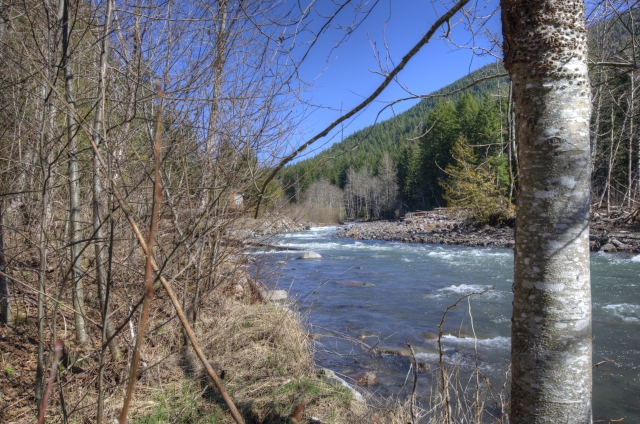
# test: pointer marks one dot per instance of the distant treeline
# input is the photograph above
(406, 156)
(445, 150)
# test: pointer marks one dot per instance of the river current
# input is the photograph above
(366, 294)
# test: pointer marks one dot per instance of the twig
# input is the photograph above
(606, 361)
(148, 272)
(414, 419)
(52, 377)
(477, 371)
(445, 384)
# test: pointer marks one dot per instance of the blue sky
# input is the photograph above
(342, 76)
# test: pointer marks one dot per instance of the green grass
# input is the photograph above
(181, 407)
(282, 402)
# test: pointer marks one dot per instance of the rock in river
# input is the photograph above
(366, 378)
(310, 255)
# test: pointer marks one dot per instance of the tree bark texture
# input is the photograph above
(74, 190)
(98, 207)
(5, 300)
(545, 51)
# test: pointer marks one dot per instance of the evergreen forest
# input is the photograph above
(457, 147)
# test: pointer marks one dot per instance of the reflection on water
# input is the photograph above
(363, 294)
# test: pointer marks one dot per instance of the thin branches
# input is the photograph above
(388, 79)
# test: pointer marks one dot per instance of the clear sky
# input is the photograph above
(343, 78)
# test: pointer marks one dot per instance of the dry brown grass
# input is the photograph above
(315, 214)
(263, 355)
(261, 351)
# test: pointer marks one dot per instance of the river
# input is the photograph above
(365, 294)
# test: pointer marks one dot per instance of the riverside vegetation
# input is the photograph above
(131, 159)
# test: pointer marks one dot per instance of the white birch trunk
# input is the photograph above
(545, 49)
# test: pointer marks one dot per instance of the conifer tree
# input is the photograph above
(473, 186)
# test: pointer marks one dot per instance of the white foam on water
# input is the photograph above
(326, 229)
(464, 289)
(617, 258)
(500, 319)
(270, 252)
(485, 252)
(627, 312)
(448, 357)
(329, 245)
(469, 254)
(441, 254)
(498, 342)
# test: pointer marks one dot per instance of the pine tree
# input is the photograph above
(434, 149)
(408, 170)
(473, 186)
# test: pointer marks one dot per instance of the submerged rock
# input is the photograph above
(430, 336)
(357, 284)
(394, 352)
(367, 378)
(310, 255)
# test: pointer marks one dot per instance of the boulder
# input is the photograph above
(275, 295)
(367, 378)
(608, 248)
(310, 255)
(618, 244)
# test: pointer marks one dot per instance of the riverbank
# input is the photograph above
(440, 226)
(259, 347)
(260, 350)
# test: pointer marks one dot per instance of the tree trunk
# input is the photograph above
(545, 50)
(511, 142)
(74, 190)
(5, 300)
(630, 114)
(98, 219)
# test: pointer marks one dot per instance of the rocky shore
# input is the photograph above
(441, 227)
(248, 228)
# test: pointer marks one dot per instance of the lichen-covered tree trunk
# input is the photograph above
(545, 51)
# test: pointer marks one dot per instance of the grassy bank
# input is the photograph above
(263, 357)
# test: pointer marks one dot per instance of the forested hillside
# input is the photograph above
(478, 121)
(367, 146)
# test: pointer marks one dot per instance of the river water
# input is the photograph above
(365, 294)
